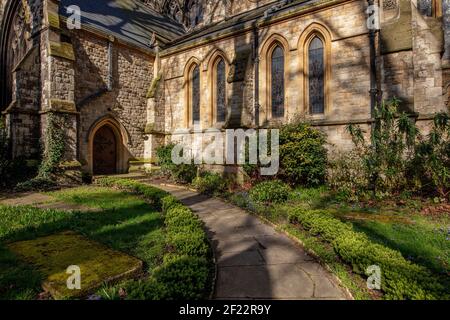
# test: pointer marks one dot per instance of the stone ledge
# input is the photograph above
(62, 106)
(62, 50)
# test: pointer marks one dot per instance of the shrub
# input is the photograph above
(5, 160)
(347, 176)
(390, 149)
(36, 184)
(182, 173)
(401, 279)
(210, 183)
(55, 146)
(431, 164)
(273, 191)
(303, 156)
(151, 194)
(185, 270)
(184, 278)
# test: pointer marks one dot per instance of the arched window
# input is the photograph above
(316, 76)
(277, 82)
(195, 94)
(220, 91)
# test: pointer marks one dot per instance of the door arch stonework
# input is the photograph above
(107, 152)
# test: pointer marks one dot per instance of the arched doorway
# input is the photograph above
(105, 153)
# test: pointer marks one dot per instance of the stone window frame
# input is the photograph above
(265, 72)
(312, 31)
(213, 61)
(436, 8)
(190, 66)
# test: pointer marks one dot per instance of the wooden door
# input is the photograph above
(105, 151)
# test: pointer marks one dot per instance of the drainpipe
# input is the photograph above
(373, 65)
(110, 64)
(256, 72)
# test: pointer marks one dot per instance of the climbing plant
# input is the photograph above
(54, 147)
(5, 160)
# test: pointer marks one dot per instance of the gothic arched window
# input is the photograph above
(316, 76)
(220, 91)
(277, 82)
(195, 94)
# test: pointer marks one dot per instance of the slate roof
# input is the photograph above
(239, 21)
(129, 20)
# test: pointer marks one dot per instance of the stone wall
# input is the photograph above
(23, 67)
(126, 102)
(349, 80)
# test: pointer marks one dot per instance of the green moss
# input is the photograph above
(149, 128)
(70, 164)
(62, 50)
(52, 255)
(53, 19)
(153, 86)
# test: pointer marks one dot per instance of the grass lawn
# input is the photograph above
(421, 239)
(125, 223)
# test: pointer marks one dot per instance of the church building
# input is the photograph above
(125, 74)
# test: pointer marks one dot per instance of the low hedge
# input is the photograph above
(401, 279)
(210, 183)
(186, 266)
(271, 191)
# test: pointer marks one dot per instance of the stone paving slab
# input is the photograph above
(25, 199)
(43, 201)
(254, 261)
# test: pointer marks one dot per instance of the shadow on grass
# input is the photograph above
(132, 226)
(422, 247)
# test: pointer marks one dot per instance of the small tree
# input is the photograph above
(303, 156)
(390, 149)
(431, 165)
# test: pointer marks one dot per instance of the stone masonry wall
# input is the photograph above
(349, 77)
(22, 114)
(126, 103)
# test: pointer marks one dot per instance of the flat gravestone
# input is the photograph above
(52, 255)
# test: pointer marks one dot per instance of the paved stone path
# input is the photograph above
(42, 201)
(254, 261)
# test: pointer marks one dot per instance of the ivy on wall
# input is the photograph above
(54, 145)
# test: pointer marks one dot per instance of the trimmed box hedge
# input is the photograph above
(401, 279)
(186, 267)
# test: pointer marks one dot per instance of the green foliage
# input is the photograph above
(5, 156)
(392, 143)
(126, 223)
(36, 184)
(180, 278)
(401, 279)
(164, 154)
(271, 191)
(185, 270)
(183, 173)
(210, 183)
(303, 156)
(184, 277)
(151, 194)
(397, 159)
(55, 145)
(431, 164)
(347, 175)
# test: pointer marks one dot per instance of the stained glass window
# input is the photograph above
(277, 77)
(316, 77)
(195, 87)
(221, 86)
